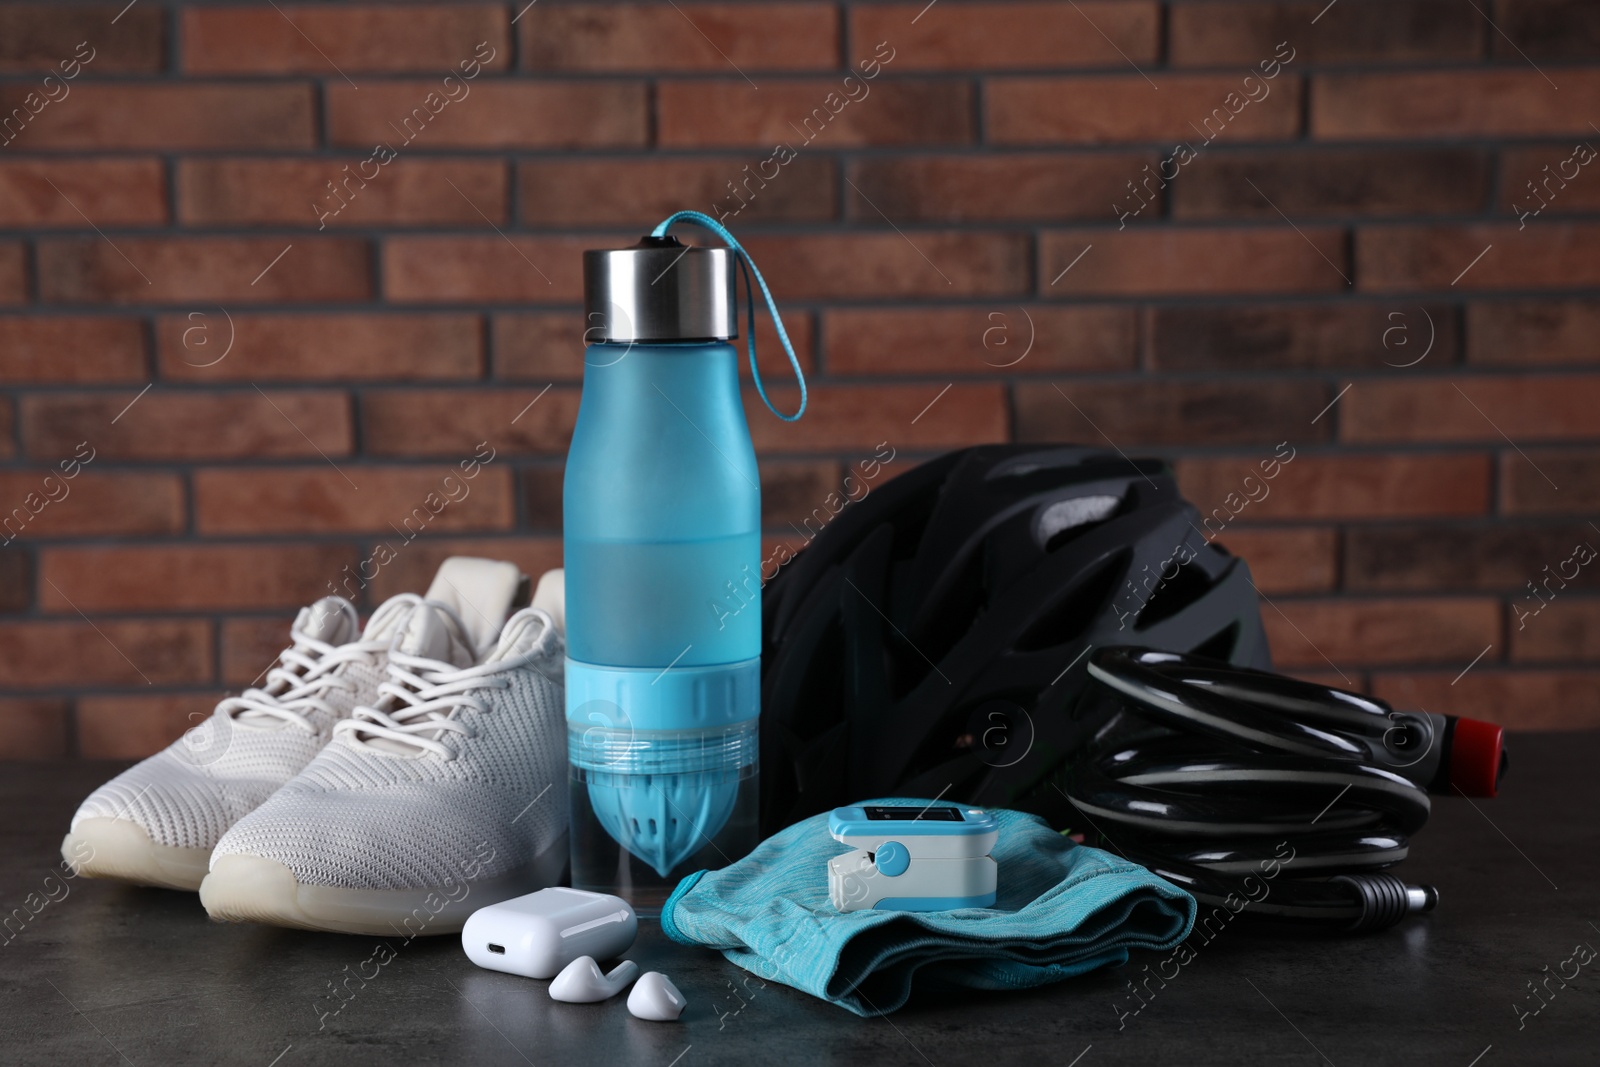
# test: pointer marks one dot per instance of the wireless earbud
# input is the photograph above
(654, 997)
(580, 982)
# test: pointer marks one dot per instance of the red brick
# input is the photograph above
(376, 499)
(293, 192)
(1313, 633)
(1286, 560)
(162, 578)
(413, 566)
(40, 37)
(203, 270)
(132, 727)
(1332, 182)
(1563, 630)
(94, 503)
(487, 270)
(967, 36)
(728, 38)
(539, 346)
(109, 192)
(33, 729)
(453, 422)
(792, 490)
(16, 579)
(347, 39)
(1311, 487)
(770, 356)
(1450, 557)
(1171, 413)
(1398, 31)
(1018, 339)
(860, 417)
(1521, 700)
(548, 346)
(813, 113)
(190, 425)
(322, 347)
(77, 349)
(499, 114)
(616, 192)
(1532, 183)
(169, 118)
(1533, 332)
(1529, 482)
(1033, 186)
(1412, 258)
(1472, 409)
(1546, 29)
(8, 422)
(542, 490)
(1313, 336)
(1192, 262)
(13, 274)
(250, 647)
(132, 652)
(1509, 102)
(1122, 108)
(881, 264)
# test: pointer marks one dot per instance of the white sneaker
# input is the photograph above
(447, 795)
(157, 822)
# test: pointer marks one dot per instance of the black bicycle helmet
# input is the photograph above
(931, 640)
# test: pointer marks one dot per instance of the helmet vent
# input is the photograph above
(1066, 519)
(1220, 645)
(1188, 585)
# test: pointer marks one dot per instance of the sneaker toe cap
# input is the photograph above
(174, 804)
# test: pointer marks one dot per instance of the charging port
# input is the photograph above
(498, 950)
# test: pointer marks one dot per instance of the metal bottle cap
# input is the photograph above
(659, 290)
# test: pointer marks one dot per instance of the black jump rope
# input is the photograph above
(1245, 786)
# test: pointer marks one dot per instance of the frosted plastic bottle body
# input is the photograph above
(662, 510)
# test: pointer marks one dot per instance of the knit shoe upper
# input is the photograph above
(455, 775)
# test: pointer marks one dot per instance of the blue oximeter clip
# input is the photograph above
(912, 857)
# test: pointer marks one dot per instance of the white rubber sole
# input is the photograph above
(257, 889)
(122, 850)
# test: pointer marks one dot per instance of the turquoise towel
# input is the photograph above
(1062, 909)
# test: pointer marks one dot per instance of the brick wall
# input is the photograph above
(258, 340)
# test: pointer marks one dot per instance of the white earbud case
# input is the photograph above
(539, 934)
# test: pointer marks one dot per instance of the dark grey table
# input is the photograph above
(112, 974)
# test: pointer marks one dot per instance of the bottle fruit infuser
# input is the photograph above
(662, 543)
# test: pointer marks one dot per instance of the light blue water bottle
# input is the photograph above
(662, 530)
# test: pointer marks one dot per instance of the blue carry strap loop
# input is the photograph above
(747, 268)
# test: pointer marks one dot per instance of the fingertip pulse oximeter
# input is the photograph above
(912, 857)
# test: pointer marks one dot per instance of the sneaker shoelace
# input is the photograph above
(296, 689)
(422, 696)
(419, 702)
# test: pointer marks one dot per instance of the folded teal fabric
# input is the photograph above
(1062, 909)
